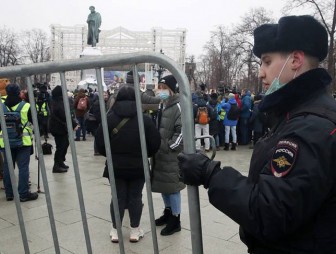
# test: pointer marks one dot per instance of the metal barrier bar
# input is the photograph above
(109, 161)
(144, 158)
(75, 163)
(130, 59)
(42, 164)
(9, 159)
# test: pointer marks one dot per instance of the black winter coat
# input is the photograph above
(214, 123)
(57, 120)
(287, 204)
(125, 145)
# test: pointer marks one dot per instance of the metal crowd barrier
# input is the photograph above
(98, 63)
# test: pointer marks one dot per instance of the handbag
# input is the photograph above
(46, 148)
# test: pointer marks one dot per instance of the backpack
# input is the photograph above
(221, 114)
(82, 104)
(202, 116)
(234, 112)
(14, 125)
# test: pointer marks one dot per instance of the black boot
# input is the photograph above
(173, 225)
(62, 165)
(226, 146)
(164, 218)
(233, 147)
(58, 169)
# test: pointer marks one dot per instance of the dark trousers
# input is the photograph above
(129, 196)
(221, 133)
(245, 136)
(62, 144)
(43, 123)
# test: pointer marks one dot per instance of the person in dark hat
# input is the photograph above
(287, 202)
(21, 142)
(165, 178)
(58, 128)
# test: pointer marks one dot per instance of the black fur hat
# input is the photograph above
(292, 33)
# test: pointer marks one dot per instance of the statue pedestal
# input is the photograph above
(91, 51)
(88, 76)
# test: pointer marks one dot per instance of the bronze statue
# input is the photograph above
(94, 22)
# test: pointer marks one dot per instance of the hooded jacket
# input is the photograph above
(57, 121)
(125, 145)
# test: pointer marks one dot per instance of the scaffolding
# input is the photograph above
(69, 43)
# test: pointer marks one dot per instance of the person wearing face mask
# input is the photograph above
(165, 170)
(286, 204)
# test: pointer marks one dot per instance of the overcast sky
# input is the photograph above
(199, 17)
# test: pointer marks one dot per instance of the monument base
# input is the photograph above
(88, 76)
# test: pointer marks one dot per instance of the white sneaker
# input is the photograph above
(114, 235)
(136, 234)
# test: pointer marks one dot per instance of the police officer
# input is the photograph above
(287, 203)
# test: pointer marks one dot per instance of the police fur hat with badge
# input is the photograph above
(292, 33)
(171, 82)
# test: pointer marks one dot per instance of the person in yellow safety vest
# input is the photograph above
(21, 154)
(3, 83)
(42, 108)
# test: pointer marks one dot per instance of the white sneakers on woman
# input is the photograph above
(135, 235)
(114, 235)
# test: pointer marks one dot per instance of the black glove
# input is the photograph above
(197, 168)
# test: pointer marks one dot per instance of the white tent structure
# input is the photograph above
(90, 83)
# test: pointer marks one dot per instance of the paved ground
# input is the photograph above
(220, 234)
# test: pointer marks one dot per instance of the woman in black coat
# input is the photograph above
(58, 128)
(127, 157)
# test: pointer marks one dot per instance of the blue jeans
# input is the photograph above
(173, 201)
(21, 156)
(82, 128)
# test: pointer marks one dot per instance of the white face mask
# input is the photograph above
(276, 84)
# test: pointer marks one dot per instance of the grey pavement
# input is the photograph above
(220, 233)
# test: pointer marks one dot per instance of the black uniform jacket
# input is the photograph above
(287, 204)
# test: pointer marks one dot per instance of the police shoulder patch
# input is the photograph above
(284, 157)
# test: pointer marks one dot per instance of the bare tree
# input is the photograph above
(9, 48)
(36, 48)
(228, 58)
(243, 34)
(325, 11)
(222, 57)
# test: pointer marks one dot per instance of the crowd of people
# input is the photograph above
(230, 118)
(287, 202)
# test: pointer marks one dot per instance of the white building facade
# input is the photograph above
(70, 42)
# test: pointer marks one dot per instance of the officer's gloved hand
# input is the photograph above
(197, 168)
